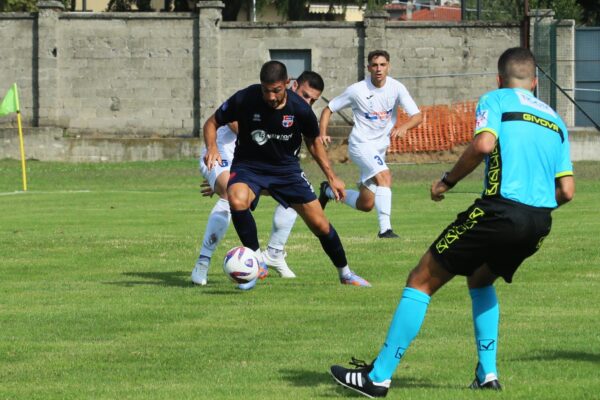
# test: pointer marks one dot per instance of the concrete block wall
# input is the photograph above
(130, 74)
(442, 63)
(163, 74)
(17, 59)
(335, 52)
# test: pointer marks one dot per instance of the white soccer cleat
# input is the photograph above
(200, 274)
(279, 265)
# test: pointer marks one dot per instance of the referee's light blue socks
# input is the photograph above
(486, 315)
(404, 328)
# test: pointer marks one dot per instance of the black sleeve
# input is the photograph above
(310, 126)
(227, 112)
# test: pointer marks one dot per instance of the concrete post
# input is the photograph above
(48, 79)
(375, 31)
(561, 47)
(210, 70)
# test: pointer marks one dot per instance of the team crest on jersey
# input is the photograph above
(481, 119)
(288, 121)
(256, 118)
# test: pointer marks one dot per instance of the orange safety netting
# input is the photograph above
(443, 127)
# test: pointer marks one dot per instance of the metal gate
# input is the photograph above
(587, 75)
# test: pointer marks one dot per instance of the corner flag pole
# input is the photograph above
(21, 144)
(8, 105)
(22, 147)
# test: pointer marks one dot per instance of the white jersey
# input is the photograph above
(226, 144)
(226, 141)
(375, 109)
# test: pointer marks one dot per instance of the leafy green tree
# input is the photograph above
(25, 5)
(292, 10)
(127, 5)
(591, 12)
(513, 10)
(563, 9)
(17, 5)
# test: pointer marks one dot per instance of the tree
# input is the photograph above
(292, 10)
(563, 9)
(591, 12)
(25, 5)
(513, 10)
(126, 5)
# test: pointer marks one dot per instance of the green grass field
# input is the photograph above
(96, 301)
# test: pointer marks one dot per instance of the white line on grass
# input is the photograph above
(43, 192)
(20, 192)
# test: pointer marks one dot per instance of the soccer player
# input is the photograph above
(528, 173)
(309, 85)
(272, 122)
(374, 102)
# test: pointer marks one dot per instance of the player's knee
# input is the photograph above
(238, 200)
(365, 204)
(384, 178)
(320, 228)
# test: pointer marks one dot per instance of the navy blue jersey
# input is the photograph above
(268, 137)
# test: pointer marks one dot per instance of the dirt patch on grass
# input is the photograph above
(338, 153)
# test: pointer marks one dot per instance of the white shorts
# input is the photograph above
(370, 158)
(212, 175)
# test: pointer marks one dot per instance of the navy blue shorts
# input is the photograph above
(285, 186)
(498, 232)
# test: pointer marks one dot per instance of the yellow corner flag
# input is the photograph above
(9, 105)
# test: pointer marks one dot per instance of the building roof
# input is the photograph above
(436, 14)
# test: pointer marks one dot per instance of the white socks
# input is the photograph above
(216, 227)
(344, 271)
(351, 196)
(283, 222)
(383, 205)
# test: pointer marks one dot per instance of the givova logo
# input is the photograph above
(493, 176)
(486, 345)
(400, 352)
(454, 232)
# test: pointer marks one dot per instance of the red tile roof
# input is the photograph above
(437, 14)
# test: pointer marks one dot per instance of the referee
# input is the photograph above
(528, 174)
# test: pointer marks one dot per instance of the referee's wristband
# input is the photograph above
(446, 182)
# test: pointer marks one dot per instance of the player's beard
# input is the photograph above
(277, 104)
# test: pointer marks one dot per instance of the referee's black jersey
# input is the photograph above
(266, 136)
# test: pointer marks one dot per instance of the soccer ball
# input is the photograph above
(240, 264)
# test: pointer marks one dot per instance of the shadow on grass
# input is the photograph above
(179, 279)
(171, 278)
(305, 378)
(546, 355)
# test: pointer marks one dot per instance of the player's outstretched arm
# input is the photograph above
(317, 150)
(483, 144)
(210, 141)
(565, 189)
(413, 121)
(323, 125)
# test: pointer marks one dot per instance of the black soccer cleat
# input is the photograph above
(490, 383)
(357, 379)
(389, 234)
(323, 199)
